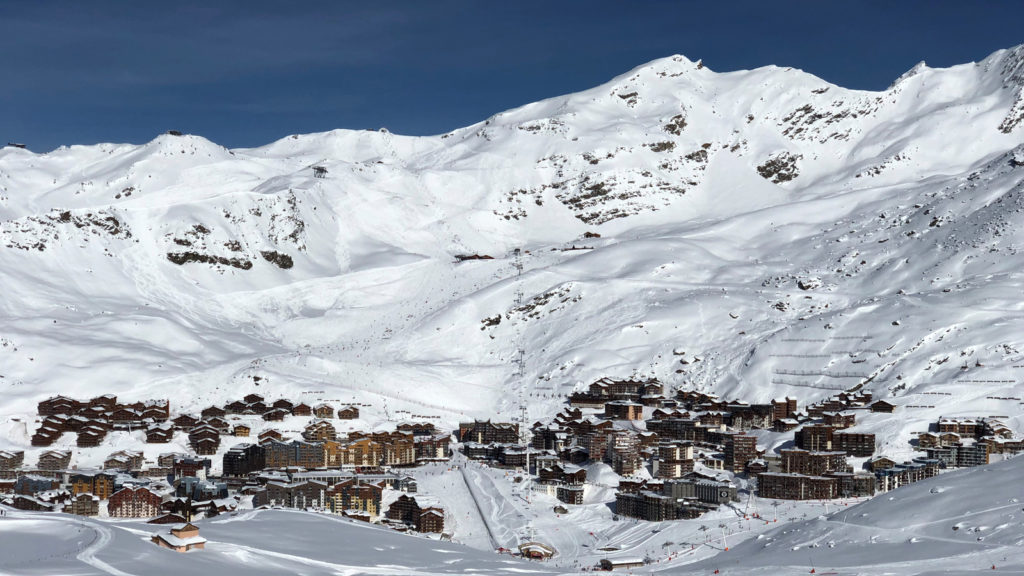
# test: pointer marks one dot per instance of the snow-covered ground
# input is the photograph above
(755, 233)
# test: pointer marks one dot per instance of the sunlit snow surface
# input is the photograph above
(900, 210)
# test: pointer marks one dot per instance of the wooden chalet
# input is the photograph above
(839, 419)
(348, 412)
(270, 434)
(205, 440)
(168, 518)
(418, 428)
(106, 402)
(124, 416)
(213, 412)
(283, 403)
(433, 447)
(883, 406)
(31, 504)
(569, 474)
(133, 458)
(45, 436)
(83, 504)
(185, 422)
(236, 407)
(116, 462)
(487, 432)
(188, 466)
(275, 415)
(221, 424)
(319, 431)
(91, 436)
(157, 410)
(167, 459)
(422, 513)
(160, 433)
(881, 463)
(431, 520)
(95, 412)
(60, 422)
(785, 424)
(623, 410)
(206, 446)
(323, 410)
(250, 398)
(58, 405)
(302, 410)
(241, 431)
(11, 460)
(181, 538)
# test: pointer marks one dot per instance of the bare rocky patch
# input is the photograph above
(279, 259)
(780, 168)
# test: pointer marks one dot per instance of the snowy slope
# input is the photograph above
(181, 269)
(944, 525)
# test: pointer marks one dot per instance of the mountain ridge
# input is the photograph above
(669, 213)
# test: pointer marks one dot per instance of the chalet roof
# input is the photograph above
(536, 547)
(176, 542)
(59, 397)
(622, 561)
(132, 489)
(36, 477)
(426, 501)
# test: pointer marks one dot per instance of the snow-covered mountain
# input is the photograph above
(755, 233)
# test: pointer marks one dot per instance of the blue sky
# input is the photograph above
(247, 73)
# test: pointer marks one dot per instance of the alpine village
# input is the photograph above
(677, 455)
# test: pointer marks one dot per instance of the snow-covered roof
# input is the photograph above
(180, 542)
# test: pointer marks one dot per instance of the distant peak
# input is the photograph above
(917, 69)
(673, 66)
